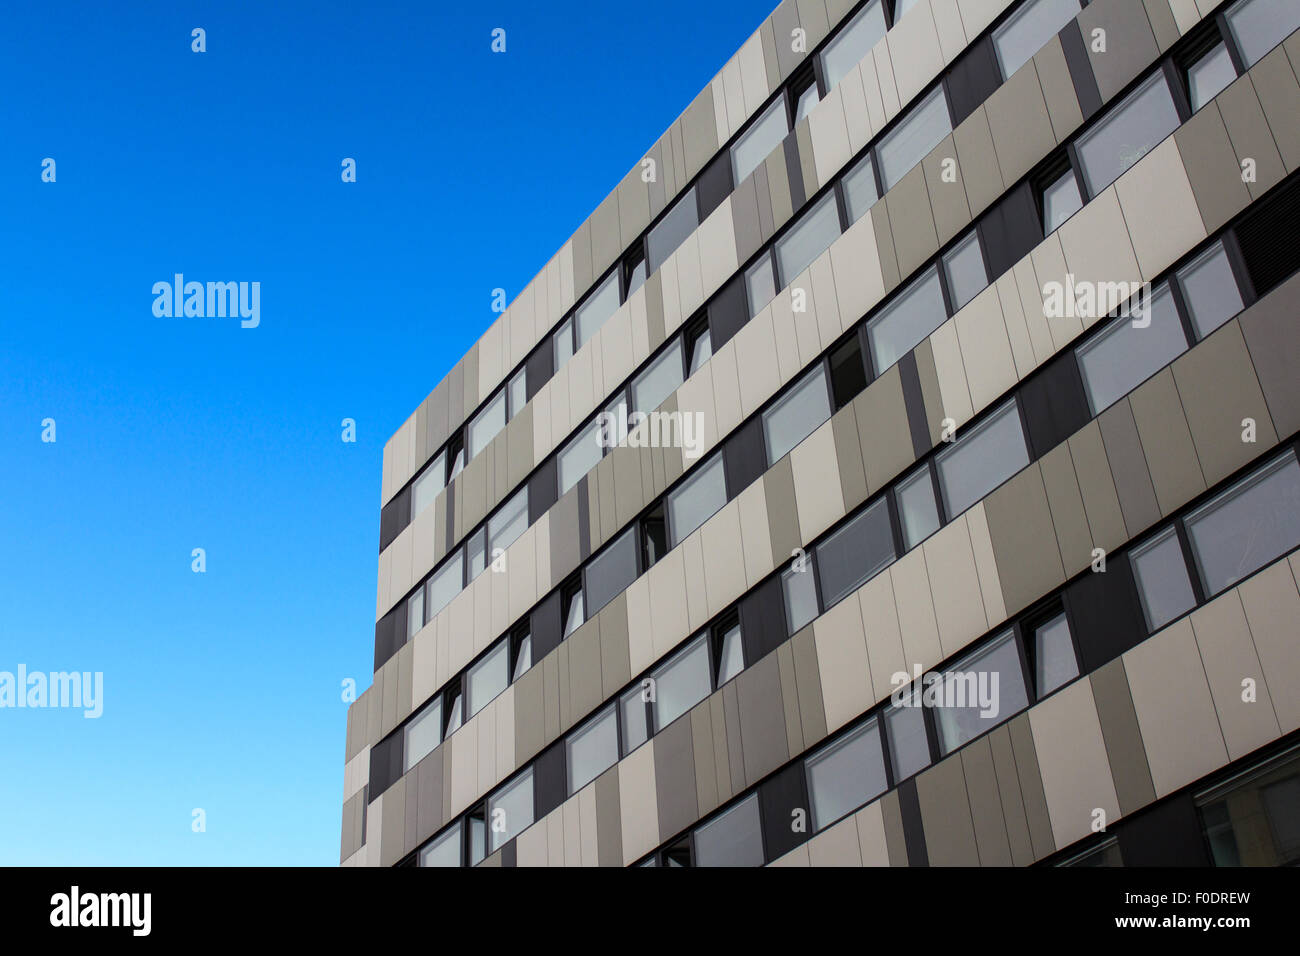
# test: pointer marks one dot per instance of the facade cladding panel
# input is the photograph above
(914, 457)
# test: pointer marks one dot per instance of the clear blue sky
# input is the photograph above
(222, 689)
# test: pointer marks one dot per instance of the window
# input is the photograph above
(635, 265)
(488, 678)
(1161, 576)
(476, 553)
(856, 552)
(611, 572)
(912, 315)
(811, 236)
(443, 850)
(654, 536)
(660, 379)
(563, 344)
(733, 838)
(1210, 290)
(917, 511)
(759, 140)
(510, 521)
(760, 284)
(1061, 200)
(909, 745)
(423, 733)
(980, 692)
(1252, 523)
(453, 711)
(511, 810)
(848, 374)
(1254, 818)
(477, 821)
(1127, 133)
(672, 230)
(415, 612)
(596, 311)
(846, 774)
(697, 500)
(964, 267)
(1259, 25)
(487, 423)
(445, 584)
(572, 604)
(1209, 75)
(592, 749)
(456, 456)
(796, 415)
(580, 455)
(633, 706)
(1107, 854)
(1054, 660)
(982, 459)
(1124, 354)
(859, 186)
(800, 592)
(518, 392)
(522, 642)
(803, 91)
(854, 41)
(681, 683)
(922, 130)
(1026, 31)
(701, 347)
(431, 481)
(731, 654)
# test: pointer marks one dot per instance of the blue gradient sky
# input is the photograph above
(222, 690)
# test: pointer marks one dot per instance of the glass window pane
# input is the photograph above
(1210, 290)
(633, 706)
(609, 574)
(1161, 575)
(423, 733)
(681, 684)
(635, 278)
(443, 851)
(488, 677)
(1061, 200)
(759, 140)
(732, 839)
(1027, 30)
(476, 553)
(563, 344)
(964, 266)
(573, 620)
(811, 236)
(518, 390)
(672, 230)
(414, 613)
(661, 378)
(797, 415)
(445, 584)
(701, 350)
(981, 460)
(808, 98)
(979, 693)
(477, 840)
(732, 659)
(510, 810)
(1054, 658)
(760, 285)
(431, 481)
(860, 189)
(697, 500)
(800, 597)
(580, 456)
(1260, 25)
(593, 749)
(907, 144)
(853, 42)
(845, 775)
(487, 423)
(917, 509)
(912, 315)
(1124, 355)
(1209, 75)
(453, 715)
(524, 657)
(909, 748)
(1127, 133)
(1251, 524)
(856, 552)
(1254, 819)
(598, 308)
(457, 463)
(510, 521)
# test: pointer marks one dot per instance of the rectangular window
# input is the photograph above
(1251, 524)
(980, 692)
(1254, 818)
(423, 733)
(487, 423)
(672, 230)
(574, 608)
(909, 745)
(805, 95)
(511, 810)
(455, 456)
(848, 373)
(1027, 30)
(1127, 133)
(518, 392)
(797, 415)
(759, 140)
(1210, 290)
(800, 591)
(859, 185)
(1061, 200)
(1161, 576)
(597, 310)
(1054, 660)
(731, 654)
(854, 41)
(697, 500)
(1259, 25)
(733, 838)
(415, 613)
(856, 553)
(982, 459)
(453, 709)
(444, 850)
(476, 553)
(510, 521)
(633, 707)
(654, 536)
(636, 270)
(1209, 75)
(477, 823)
(661, 378)
(609, 574)
(592, 749)
(563, 342)
(911, 315)
(681, 683)
(431, 481)
(700, 345)
(445, 584)
(846, 774)
(964, 267)
(917, 510)
(580, 455)
(488, 678)
(811, 236)
(907, 144)
(1124, 355)
(760, 285)
(522, 642)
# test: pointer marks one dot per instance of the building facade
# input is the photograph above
(950, 508)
